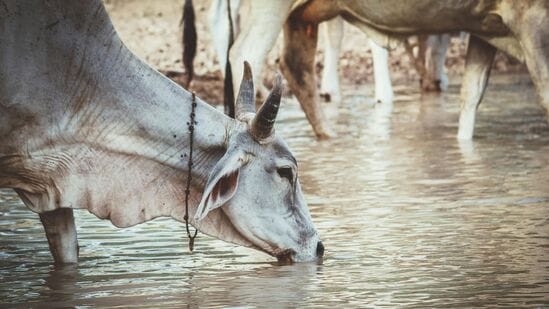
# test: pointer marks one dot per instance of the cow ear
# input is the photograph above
(222, 183)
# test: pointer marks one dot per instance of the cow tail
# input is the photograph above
(189, 40)
(228, 87)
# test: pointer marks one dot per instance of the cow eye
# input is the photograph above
(286, 172)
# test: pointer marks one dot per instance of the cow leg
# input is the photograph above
(257, 37)
(383, 86)
(218, 22)
(298, 59)
(534, 38)
(333, 35)
(438, 45)
(426, 80)
(478, 64)
(61, 233)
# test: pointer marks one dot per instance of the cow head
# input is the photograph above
(255, 184)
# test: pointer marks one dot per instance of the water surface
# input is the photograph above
(408, 215)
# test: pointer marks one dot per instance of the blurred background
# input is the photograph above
(152, 30)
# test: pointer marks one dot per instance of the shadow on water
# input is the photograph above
(408, 214)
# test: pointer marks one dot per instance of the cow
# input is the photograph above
(224, 21)
(432, 52)
(519, 28)
(218, 23)
(86, 124)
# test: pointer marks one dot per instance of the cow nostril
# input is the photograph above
(319, 249)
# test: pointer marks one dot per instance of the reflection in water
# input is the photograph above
(407, 213)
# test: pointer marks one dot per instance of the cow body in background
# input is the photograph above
(218, 22)
(520, 28)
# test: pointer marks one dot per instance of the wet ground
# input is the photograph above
(408, 215)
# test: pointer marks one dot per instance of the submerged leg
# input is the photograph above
(382, 80)
(438, 45)
(298, 59)
(419, 61)
(478, 64)
(61, 233)
(333, 35)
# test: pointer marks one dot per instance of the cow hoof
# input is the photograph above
(325, 134)
(326, 96)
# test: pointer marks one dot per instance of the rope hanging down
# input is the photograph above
(189, 175)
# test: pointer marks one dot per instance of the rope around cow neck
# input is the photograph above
(189, 175)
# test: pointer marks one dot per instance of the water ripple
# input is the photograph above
(409, 217)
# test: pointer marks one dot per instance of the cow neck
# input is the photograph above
(97, 93)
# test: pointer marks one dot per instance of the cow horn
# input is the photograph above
(245, 102)
(263, 123)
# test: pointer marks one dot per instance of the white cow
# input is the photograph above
(520, 28)
(85, 124)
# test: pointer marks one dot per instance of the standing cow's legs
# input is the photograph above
(333, 35)
(298, 59)
(478, 64)
(438, 45)
(382, 80)
(422, 61)
(61, 232)
(257, 37)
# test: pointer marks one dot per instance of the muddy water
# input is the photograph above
(408, 216)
